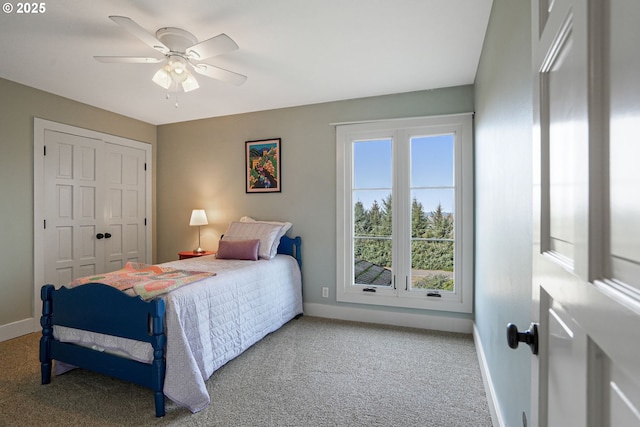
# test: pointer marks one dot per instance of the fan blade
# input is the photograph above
(135, 29)
(220, 74)
(128, 59)
(217, 45)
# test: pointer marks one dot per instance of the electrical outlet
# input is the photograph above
(325, 292)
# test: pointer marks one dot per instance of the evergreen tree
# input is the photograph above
(361, 220)
(418, 219)
(375, 218)
(386, 218)
(440, 225)
(436, 253)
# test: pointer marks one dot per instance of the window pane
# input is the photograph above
(372, 198)
(372, 261)
(432, 161)
(372, 164)
(372, 177)
(432, 213)
(430, 199)
(432, 264)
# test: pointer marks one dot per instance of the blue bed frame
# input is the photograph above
(100, 308)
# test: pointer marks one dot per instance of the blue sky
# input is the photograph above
(432, 166)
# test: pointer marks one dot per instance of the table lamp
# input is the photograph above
(198, 217)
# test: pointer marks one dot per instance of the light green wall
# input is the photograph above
(201, 165)
(503, 162)
(20, 104)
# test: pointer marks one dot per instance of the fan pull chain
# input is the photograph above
(167, 96)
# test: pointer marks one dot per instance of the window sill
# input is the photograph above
(451, 302)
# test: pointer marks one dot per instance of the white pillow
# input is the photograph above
(268, 234)
(286, 226)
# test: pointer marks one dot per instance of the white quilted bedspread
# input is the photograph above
(214, 320)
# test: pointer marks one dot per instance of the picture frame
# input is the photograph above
(263, 165)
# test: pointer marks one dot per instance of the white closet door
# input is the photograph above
(95, 204)
(124, 212)
(73, 207)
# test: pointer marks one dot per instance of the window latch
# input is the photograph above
(434, 294)
(368, 289)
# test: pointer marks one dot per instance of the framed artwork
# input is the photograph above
(262, 160)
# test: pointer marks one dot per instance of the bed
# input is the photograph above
(174, 342)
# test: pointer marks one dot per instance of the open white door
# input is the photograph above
(586, 257)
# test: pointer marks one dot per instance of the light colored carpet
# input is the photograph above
(312, 372)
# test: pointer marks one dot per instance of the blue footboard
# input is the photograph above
(104, 309)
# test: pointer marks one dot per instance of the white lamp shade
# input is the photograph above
(198, 217)
(190, 83)
(162, 78)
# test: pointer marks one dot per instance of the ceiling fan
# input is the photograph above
(181, 50)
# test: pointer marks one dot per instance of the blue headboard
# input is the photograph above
(291, 246)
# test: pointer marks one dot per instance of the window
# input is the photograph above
(405, 213)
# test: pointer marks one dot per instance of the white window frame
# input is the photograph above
(401, 131)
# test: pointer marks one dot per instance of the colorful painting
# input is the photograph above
(263, 166)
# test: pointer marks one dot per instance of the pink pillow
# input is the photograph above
(238, 249)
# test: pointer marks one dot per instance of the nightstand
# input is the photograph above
(191, 254)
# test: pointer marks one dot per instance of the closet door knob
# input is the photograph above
(107, 235)
(529, 337)
(99, 236)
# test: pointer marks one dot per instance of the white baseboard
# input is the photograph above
(437, 323)
(17, 329)
(494, 408)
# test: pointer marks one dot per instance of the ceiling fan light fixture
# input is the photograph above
(175, 72)
(178, 69)
(190, 83)
(162, 77)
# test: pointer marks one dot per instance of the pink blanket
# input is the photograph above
(147, 281)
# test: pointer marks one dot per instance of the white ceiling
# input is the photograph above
(294, 52)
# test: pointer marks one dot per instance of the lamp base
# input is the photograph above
(198, 251)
